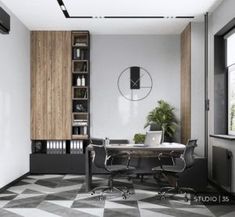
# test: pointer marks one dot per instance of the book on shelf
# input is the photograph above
(86, 94)
(85, 130)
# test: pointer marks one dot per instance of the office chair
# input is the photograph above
(104, 161)
(179, 165)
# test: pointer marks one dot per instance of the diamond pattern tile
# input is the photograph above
(65, 196)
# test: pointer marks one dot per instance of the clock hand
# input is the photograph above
(132, 81)
(135, 83)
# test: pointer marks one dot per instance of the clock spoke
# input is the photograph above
(146, 87)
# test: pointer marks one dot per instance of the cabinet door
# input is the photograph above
(50, 85)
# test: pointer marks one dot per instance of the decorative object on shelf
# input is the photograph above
(84, 67)
(79, 81)
(135, 83)
(80, 108)
(139, 138)
(37, 147)
(83, 81)
(163, 118)
(80, 93)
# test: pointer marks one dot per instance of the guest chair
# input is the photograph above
(179, 165)
(104, 160)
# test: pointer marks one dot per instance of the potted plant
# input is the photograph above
(139, 138)
(163, 118)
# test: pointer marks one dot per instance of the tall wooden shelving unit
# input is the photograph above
(80, 85)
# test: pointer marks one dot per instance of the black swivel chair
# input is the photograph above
(180, 164)
(103, 160)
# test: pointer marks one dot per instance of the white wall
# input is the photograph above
(14, 102)
(197, 86)
(220, 17)
(111, 114)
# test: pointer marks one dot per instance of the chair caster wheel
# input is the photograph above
(124, 196)
(162, 197)
(92, 193)
(186, 199)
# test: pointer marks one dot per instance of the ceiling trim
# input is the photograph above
(66, 14)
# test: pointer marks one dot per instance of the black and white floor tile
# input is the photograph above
(64, 195)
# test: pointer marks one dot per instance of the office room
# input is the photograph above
(117, 108)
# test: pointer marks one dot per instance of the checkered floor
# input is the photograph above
(64, 195)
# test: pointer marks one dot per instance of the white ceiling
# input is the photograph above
(47, 15)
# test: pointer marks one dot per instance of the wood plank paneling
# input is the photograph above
(66, 86)
(50, 85)
(186, 84)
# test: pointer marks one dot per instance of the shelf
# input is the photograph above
(80, 86)
(80, 113)
(80, 99)
(80, 47)
(80, 72)
(77, 60)
(79, 136)
(74, 125)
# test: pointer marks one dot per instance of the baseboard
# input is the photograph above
(219, 188)
(4, 188)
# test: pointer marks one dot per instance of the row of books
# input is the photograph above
(56, 147)
(76, 147)
(59, 147)
(80, 130)
(80, 123)
(81, 44)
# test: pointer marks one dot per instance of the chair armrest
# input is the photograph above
(171, 155)
(126, 153)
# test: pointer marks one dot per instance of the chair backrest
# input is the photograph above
(188, 154)
(100, 156)
(153, 138)
(100, 152)
(192, 142)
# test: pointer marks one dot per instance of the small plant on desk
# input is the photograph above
(139, 138)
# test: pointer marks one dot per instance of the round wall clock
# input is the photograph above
(135, 83)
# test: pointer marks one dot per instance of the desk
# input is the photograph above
(164, 147)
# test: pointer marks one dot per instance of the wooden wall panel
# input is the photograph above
(186, 84)
(66, 86)
(50, 85)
